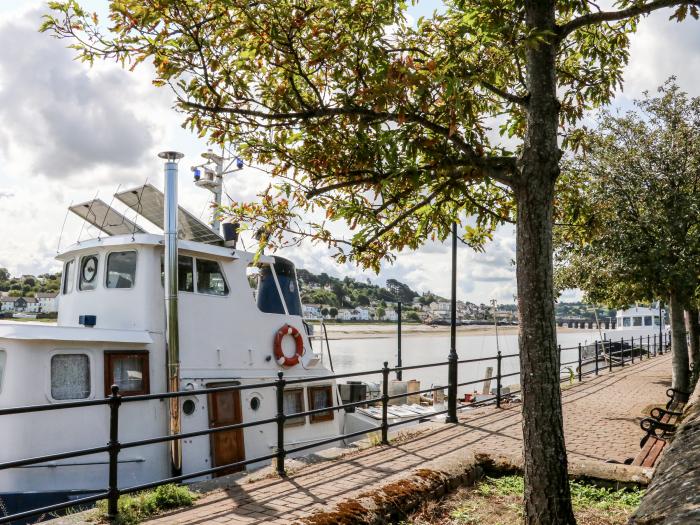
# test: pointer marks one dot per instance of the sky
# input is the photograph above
(69, 132)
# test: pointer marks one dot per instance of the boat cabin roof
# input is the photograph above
(149, 239)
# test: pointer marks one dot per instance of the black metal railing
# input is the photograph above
(613, 352)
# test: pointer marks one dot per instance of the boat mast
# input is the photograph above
(212, 179)
(171, 313)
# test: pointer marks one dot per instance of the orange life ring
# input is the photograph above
(282, 359)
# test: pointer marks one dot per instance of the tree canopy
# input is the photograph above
(385, 125)
(631, 204)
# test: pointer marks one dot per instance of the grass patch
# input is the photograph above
(499, 501)
(134, 508)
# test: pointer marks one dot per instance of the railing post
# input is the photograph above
(648, 348)
(580, 375)
(661, 344)
(281, 417)
(499, 358)
(622, 351)
(399, 363)
(632, 351)
(451, 388)
(385, 403)
(596, 358)
(654, 342)
(610, 363)
(113, 493)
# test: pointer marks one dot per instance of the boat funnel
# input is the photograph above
(170, 230)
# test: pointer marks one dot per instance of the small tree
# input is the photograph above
(324, 312)
(380, 313)
(333, 312)
(412, 316)
(632, 203)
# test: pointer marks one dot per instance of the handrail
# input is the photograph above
(114, 401)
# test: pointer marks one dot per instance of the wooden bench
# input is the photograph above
(660, 427)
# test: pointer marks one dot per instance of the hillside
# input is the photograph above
(350, 293)
(28, 285)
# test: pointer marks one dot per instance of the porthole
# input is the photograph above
(188, 407)
(255, 403)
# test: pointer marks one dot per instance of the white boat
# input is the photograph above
(638, 331)
(156, 313)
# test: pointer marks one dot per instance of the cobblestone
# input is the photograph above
(601, 422)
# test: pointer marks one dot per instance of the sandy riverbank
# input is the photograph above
(376, 331)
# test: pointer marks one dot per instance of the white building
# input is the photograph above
(47, 302)
(20, 304)
(7, 304)
(355, 314)
(390, 315)
(312, 311)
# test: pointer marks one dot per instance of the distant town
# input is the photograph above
(329, 298)
(29, 295)
(324, 298)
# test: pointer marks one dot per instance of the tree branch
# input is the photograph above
(401, 217)
(500, 169)
(622, 14)
(515, 99)
(339, 185)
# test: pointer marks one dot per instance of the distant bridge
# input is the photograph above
(577, 322)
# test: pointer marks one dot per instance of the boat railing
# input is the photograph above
(612, 352)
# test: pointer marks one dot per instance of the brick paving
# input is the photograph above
(601, 422)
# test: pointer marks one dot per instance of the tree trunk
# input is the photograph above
(679, 346)
(693, 326)
(547, 495)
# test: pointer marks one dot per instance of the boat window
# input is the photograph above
(293, 404)
(656, 320)
(68, 276)
(320, 397)
(268, 296)
(252, 273)
(287, 277)
(127, 370)
(626, 321)
(70, 376)
(637, 321)
(3, 360)
(647, 320)
(210, 279)
(121, 269)
(88, 272)
(185, 273)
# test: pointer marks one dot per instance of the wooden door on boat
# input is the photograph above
(227, 445)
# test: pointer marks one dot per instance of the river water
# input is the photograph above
(359, 354)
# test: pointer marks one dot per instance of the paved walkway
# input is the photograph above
(601, 420)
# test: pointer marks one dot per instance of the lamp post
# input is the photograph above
(452, 359)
